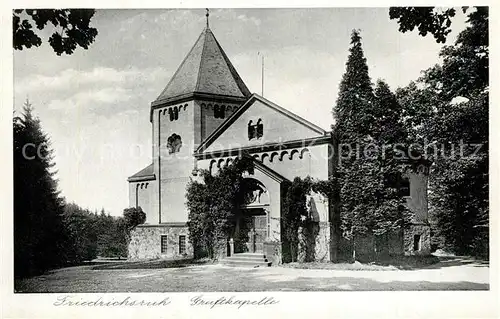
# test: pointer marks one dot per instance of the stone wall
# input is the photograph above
(423, 231)
(145, 242)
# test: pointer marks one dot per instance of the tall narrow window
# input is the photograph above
(416, 242)
(182, 244)
(171, 114)
(216, 111)
(222, 111)
(259, 128)
(250, 130)
(176, 113)
(164, 241)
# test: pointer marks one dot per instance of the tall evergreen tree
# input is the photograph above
(39, 237)
(355, 94)
(350, 131)
(368, 127)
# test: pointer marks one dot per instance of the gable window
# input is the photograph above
(255, 130)
(250, 130)
(182, 244)
(174, 143)
(164, 241)
(259, 129)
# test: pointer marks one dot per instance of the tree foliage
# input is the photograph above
(368, 128)
(72, 28)
(294, 213)
(425, 19)
(39, 237)
(448, 108)
(214, 206)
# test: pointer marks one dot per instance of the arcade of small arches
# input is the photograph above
(267, 156)
(173, 111)
(219, 109)
(142, 185)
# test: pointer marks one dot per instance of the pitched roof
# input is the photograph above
(146, 173)
(206, 69)
(230, 120)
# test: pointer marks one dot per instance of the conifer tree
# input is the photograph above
(39, 237)
(350, 130)
(368, 126)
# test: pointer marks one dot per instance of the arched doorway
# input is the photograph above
(252, 226)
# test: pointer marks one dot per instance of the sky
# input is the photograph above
(95, 103)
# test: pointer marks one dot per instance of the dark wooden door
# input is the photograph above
(257, 234)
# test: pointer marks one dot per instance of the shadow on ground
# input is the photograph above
(210, 278)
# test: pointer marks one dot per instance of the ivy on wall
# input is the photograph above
(214, 206)
(296, 222)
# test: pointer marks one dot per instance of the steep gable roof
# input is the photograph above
(205, 69)
(230, 120)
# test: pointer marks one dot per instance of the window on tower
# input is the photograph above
(219, 111)
(174, 143)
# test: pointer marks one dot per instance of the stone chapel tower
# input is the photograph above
(201, 94)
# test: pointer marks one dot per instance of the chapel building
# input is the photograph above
(203, 119)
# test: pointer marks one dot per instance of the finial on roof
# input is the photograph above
(207, 15)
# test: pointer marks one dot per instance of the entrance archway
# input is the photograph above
(252, 225)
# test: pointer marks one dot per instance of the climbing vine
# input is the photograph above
(214, 205)
(297, 223)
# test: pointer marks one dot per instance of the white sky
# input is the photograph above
(95, 103)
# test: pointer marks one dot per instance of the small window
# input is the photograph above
(176, 113)
(219, 111)
(222, 111)
(416, 242)
(164, 241)
(182, 244)
(404, 187)
(174, 143)
(250, 130)
(255, 130)
(259, 129)
(399, 182)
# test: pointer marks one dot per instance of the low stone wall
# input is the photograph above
(423, 233)
(145, 242)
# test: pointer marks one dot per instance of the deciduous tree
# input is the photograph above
(71, 28)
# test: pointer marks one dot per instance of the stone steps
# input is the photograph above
(252, 260)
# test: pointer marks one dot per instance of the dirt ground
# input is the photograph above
(449, 274)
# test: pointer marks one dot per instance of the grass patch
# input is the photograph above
(389, 264)
(152, 264)
(408, 262)
(338, 266)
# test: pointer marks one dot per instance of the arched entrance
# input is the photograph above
(252, 225)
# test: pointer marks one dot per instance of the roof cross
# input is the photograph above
(207, 15)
